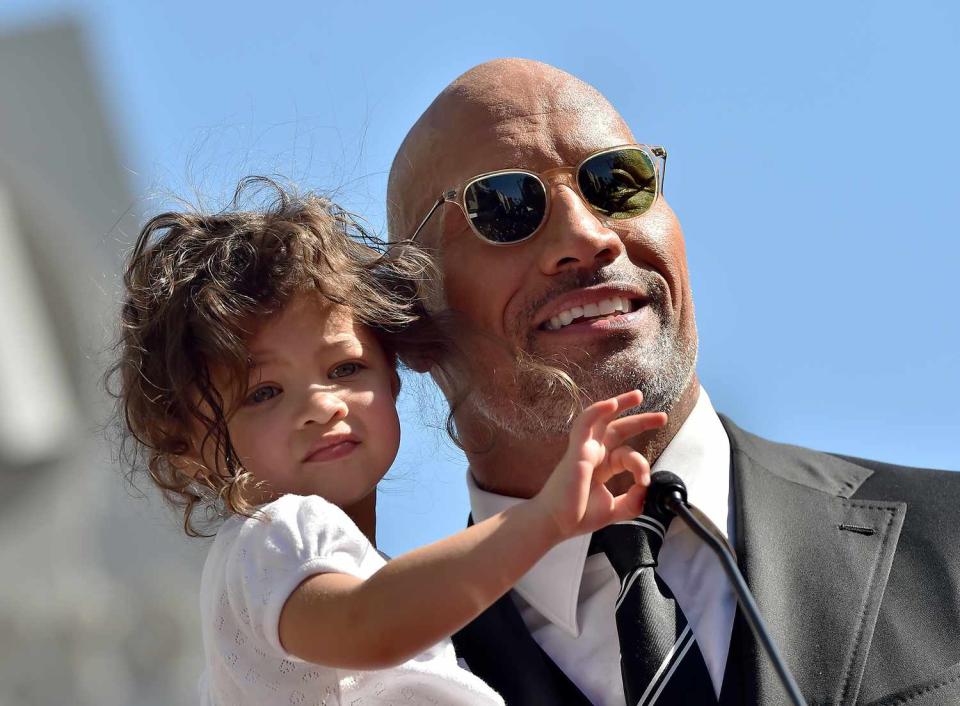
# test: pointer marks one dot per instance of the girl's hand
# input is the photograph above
(575, 498)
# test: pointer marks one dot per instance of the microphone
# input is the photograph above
(667, 495)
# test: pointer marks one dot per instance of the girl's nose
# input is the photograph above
(322, 407)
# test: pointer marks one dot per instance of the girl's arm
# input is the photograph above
(427, 594)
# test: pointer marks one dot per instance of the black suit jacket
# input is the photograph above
(855, 566)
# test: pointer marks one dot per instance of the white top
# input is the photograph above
(252, 568)
(567, 598)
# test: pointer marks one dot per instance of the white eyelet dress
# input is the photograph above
(252, 568)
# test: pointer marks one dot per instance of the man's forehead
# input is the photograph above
(544, 140)
(538, 109)
(507, 113)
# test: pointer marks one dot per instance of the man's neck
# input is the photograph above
(508, 465)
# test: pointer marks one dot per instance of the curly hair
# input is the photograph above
(193, 285)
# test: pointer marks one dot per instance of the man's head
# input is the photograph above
(521, 114)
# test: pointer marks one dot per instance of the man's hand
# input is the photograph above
(575, 499)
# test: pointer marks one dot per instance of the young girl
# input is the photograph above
(258, 377)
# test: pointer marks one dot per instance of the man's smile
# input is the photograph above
(594, 308)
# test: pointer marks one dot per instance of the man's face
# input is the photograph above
(516, 295)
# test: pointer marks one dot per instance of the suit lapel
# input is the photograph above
(499, 649)
(816, 561)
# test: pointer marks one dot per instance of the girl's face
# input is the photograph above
(319, 417)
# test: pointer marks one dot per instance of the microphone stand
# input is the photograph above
(668, 492)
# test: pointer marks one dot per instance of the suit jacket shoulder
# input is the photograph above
(920, 616)
(869, 554)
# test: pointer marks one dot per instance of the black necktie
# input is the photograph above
(660, 661)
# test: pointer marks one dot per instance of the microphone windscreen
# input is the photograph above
(662, 486)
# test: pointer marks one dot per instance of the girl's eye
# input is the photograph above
(345, 370)
(263, 394)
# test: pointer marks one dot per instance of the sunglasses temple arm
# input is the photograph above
(436, 205)
(662, 154)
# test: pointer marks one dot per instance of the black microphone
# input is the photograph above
(667, 495)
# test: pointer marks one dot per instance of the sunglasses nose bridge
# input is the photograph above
(562, 177)
(559, 176)
(567, 176)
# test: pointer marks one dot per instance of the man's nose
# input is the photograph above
(322, 407)
(576, 238)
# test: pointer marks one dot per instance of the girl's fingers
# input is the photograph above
(628, 400)
(607, 410)
(623, 458)
(629, 505)
(611, 466)
(599, 422)
(593, 420)
(588, 418)
(623, 402)
(599, 415)
(637, 464)
(622, 429)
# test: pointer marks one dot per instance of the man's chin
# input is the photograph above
(546, 393)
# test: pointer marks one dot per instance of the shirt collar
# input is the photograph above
(699, 453)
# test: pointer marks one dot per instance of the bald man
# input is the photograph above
(565, 270)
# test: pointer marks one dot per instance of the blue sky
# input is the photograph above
(813, 165)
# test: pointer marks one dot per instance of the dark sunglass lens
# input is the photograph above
(506, 208)
(620, 183)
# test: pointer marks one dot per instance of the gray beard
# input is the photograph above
(541, 402)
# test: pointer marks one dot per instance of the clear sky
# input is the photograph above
(813, 164)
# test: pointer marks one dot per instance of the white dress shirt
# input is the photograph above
(567, 598)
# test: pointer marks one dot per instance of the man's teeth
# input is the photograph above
(603, 307)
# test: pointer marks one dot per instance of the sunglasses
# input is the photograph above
(509, 206)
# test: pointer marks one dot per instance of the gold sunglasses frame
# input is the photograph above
(457, 195)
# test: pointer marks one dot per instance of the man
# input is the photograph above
(570, 278)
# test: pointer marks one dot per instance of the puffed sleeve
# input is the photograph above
(291, 539)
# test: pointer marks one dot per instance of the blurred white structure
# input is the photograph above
(37, 411)
(98, 595)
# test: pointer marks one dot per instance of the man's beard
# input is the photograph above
(537, 400)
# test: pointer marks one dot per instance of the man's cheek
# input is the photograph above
(475, 302)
